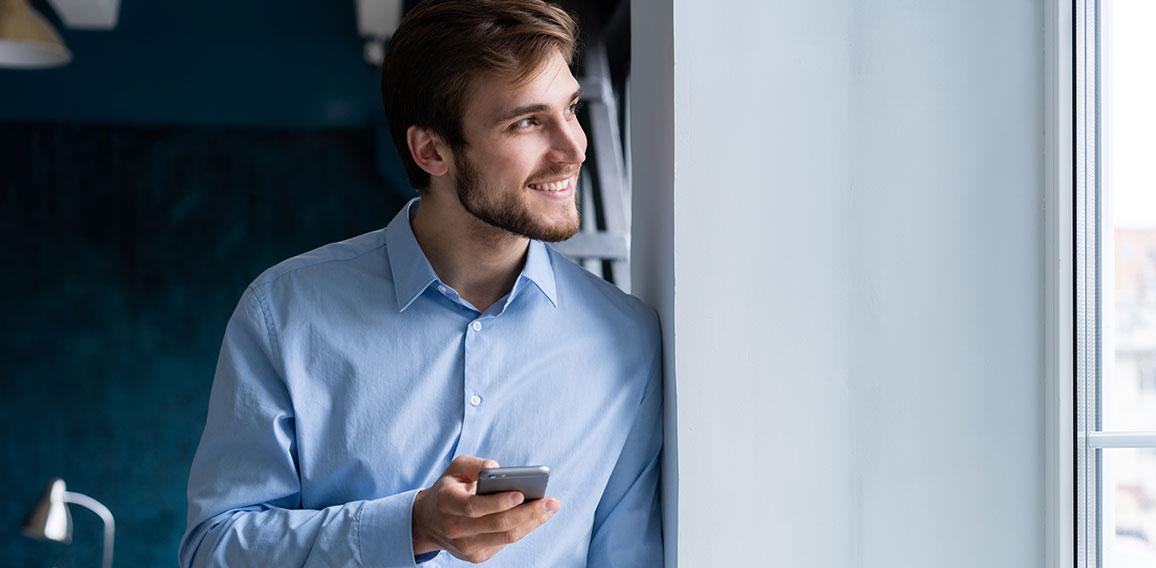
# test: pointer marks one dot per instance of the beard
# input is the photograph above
(504, 209)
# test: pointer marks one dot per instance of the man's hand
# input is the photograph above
(450, 517)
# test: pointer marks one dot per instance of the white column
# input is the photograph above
(838, 214)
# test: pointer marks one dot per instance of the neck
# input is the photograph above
(481, 262)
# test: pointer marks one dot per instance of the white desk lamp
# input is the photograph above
(50, 520)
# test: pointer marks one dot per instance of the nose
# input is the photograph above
(568, 145)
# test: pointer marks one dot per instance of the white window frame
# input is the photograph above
(1076, 339)
(1059, 293)
(1087, 289)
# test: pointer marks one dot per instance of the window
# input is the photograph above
(1115, 283)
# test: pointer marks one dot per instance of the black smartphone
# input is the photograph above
(530, 480)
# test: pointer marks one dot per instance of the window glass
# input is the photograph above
(1128, 121)
(1129, 502)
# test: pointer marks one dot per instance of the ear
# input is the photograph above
(428, 151)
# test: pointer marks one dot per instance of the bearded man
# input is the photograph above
(362, 386)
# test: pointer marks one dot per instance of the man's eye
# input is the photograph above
(574, 107)
(525, 123)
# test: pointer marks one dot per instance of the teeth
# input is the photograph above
(556, 186)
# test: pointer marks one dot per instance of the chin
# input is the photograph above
(562, 228)
(556, 232)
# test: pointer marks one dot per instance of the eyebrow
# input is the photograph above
(530, 109)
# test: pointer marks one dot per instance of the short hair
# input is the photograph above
(441, 46)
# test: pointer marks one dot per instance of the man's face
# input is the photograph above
(519, 170)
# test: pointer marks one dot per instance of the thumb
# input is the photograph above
(469, 466)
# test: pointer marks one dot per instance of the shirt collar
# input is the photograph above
(539, 269)
(412, 272)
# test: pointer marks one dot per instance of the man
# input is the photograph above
(363, 385)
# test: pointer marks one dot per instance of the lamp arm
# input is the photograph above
(104, 514)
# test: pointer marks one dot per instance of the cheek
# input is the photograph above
(509, 157)
(498, 165)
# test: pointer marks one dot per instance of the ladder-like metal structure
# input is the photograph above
(602, 244)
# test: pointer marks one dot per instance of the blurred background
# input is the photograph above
(142, 186)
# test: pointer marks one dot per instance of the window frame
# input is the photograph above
(1079, 285)
(1085, 206)
(1059, 293)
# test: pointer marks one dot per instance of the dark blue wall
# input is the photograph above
(124, 251)
(142, 187)
(240, 62)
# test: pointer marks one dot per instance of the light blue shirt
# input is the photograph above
(351, 376)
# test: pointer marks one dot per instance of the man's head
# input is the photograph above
(443, 47)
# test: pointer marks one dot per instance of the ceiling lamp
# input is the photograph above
(27, 40)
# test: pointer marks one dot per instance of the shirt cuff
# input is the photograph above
(385, 531)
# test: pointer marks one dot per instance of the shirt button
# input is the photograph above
(441, 289)
(477, 326)
(475, 400)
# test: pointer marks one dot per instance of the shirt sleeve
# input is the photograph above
(244, 486)
(628, 522)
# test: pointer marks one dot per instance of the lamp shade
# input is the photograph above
(49, 519)
(27, 40)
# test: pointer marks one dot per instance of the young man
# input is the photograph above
(363, 385)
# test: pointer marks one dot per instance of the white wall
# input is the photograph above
(652, 142)
(838, 213)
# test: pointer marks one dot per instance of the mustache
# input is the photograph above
(554, 172)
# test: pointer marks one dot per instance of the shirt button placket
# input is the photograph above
(475, 400)
(474, 370)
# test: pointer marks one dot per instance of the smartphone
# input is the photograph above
(530, 480)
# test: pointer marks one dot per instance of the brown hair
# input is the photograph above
(442, 45)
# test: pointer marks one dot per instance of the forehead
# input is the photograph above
(494, 97)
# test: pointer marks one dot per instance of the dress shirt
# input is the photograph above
(350, 377)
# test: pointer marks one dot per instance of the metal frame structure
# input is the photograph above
(602, 244)
(1088, 364)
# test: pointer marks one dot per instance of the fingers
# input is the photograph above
(450, 497)
(467, 467)
(501, 529)
(528, 516)
(458, 501)
(502, 521)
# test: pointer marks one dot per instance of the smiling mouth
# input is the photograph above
(552, 186)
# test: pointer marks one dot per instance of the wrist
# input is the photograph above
(422, 544)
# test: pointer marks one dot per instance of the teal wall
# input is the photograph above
(257, 63)
(124, 251)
